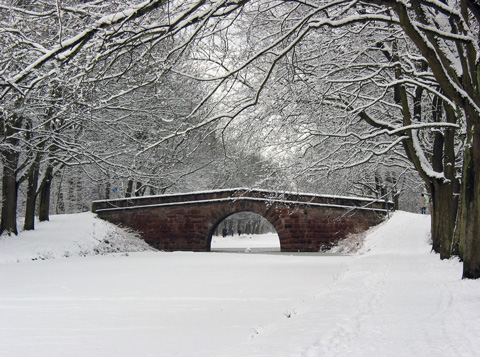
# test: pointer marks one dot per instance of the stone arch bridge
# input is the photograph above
(186, 221)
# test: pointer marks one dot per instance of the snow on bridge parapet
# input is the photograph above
(243, 194)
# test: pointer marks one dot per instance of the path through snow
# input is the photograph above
(396, 299)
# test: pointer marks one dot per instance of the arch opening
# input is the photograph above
(245, 232)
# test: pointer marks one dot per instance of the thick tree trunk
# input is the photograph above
(456, 247)
(9, 194)
(443, 218)
(44, 196)
(444, 207)
(470, 202)
(461, 225)
(9, 178)
(32, 185)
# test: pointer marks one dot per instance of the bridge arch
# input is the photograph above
(303, 222)
(261, 212)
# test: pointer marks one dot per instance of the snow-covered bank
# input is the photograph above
(69, 235)
(394, 299)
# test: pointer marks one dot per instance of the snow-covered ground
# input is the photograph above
(247, 243)
(393, 298)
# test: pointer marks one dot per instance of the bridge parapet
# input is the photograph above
(271, 197)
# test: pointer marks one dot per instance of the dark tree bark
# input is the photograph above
(443, 196)
(10, 184)
(9, 193)
(32, 185)
(129, 191)
(44, 195)
(107, 190)
(469, 220)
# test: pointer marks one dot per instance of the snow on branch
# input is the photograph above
(391, 132)
(424, 163)
(71, 46)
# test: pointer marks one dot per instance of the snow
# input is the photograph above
(80, 234)
(393, 297)
(227, 199)
(269, 194)
(424, 163)
(246, 242)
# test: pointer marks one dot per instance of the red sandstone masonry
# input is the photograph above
(168, 224)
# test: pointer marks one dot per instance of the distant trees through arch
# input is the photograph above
(246, 223)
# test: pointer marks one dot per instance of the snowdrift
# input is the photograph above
(70, 235)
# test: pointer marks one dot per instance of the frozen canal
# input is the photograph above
(268, 242)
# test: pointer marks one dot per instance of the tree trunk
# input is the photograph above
(139, 190)
(470, 202)
(396, 200)
(107, 190)
(10, 184)
(443, 218)
(129, 191)
(44, 195)
(461, 226)
(456, 246)
(9, 194)
(444, 207)
(32, 185)
(60, 206)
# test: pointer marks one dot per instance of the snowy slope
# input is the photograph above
(81, 234)
(395, 298)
